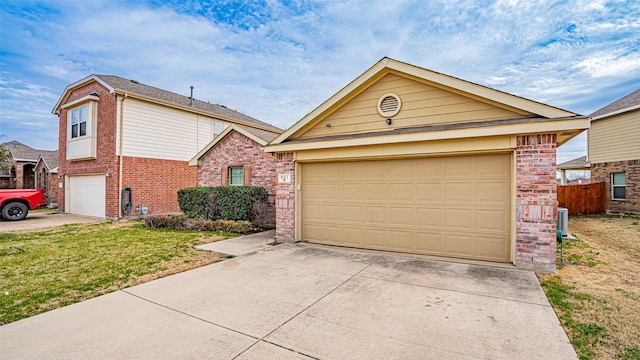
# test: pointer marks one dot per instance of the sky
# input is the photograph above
(276, 60)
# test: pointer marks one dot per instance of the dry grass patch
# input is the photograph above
(597, 293)
(44, 270)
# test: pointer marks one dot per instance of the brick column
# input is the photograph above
(536, 203)
(285, 198)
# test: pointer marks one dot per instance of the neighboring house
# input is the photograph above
(46, 173)
(117, 134)
(21, 174)
(236, 157)
(578, 164)
(614, 153)
(406, 159)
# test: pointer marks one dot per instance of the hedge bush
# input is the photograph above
(184, 222)
(221, 202)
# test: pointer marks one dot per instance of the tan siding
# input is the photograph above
(422, 104)
(615, 138)
(158, 132)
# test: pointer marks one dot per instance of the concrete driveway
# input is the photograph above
(42, 220)
(298, 302)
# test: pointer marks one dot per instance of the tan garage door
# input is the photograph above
(456, 206)
(86, 195)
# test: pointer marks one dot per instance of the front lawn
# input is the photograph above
(597, 293)
(45, 270)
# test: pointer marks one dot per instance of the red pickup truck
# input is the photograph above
(15, 204)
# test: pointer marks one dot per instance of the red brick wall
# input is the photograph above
(106, 161)
(631, 168)
(536, 202)
(155, 182)
(51, 185)
(238, 150)
(285, 198)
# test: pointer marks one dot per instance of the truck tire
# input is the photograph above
(15, 211)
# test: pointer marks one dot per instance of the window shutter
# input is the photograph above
(224, 175)
(247, 175)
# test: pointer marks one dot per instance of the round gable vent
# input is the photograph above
(389, 105)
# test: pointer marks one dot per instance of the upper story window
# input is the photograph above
(618, 186)
(79, 121)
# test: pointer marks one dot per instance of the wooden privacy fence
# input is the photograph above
(583, 199)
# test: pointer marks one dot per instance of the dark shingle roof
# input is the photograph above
(22, 152)
(262, 134)
(626, 102)
(132, 86)
(50, 158)
(579, 163)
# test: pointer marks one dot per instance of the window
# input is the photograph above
(618, 186)
(236, 176)
(79, 122)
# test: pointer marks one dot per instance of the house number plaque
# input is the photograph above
(284, 178)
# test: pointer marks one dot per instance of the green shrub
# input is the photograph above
(183, 222)
(221, 202)
(195, 200)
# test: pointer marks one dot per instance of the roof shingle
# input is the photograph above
(626, 102)
(132, 86)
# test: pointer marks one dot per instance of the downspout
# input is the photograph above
(120, 145)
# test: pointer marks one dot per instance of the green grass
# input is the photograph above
(44, 270)
(566, 301)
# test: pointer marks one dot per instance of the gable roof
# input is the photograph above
(261, 137)
(388, 65)
(133, 88)
(50, 159)
(22, 152)
(627, 103)
(578, 163)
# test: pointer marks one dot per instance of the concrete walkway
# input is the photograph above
(294, 301)
(43, 220)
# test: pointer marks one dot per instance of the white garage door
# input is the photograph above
(86, 195)
(456, 206)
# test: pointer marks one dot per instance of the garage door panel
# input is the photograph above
(460, 167)
(459, 192)
(353, 213)
(312, 212)
(313, 192)
(455, 206)
(353, 192)
(87, 195)
(429, 242)
(332, 213)
(332, 233)
(375, 238)
(461, 219)
(429, 192)
(375, 192)
(460, 244)
(492, 220)
(492, 166)
(430, 168)
(402, 192)
(492, 248)
(353, 236)
(402, 169)
(332, 191)
(375, 215)
(429, 217)
(492, 192)
(401, 216)
(401, 240)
